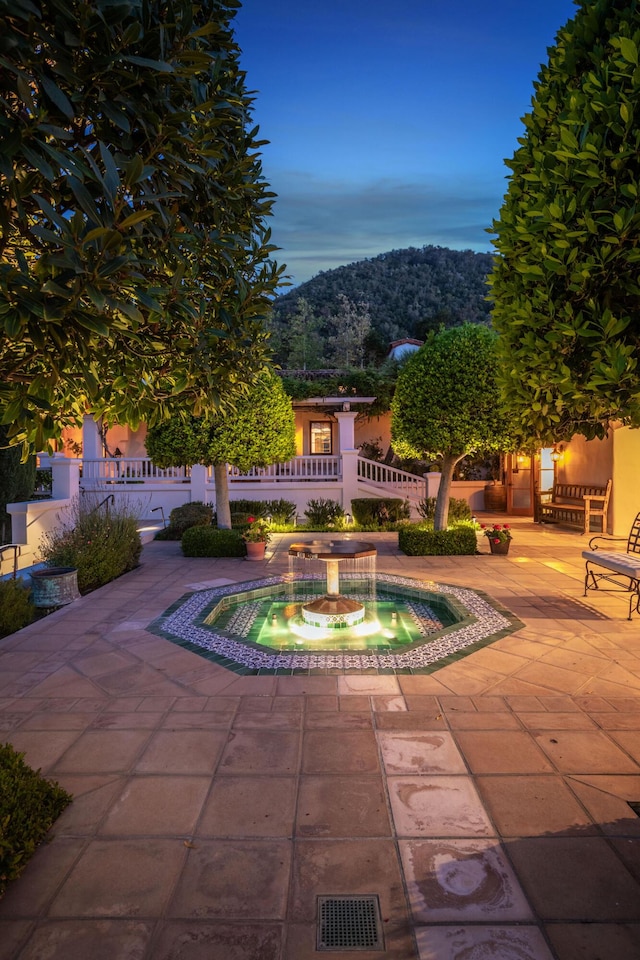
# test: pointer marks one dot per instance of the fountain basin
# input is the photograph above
(244, 646)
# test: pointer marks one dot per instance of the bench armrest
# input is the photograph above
(593, 545)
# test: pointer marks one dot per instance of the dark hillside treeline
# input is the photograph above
(404, 293)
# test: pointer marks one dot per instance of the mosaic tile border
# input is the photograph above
(482, 621)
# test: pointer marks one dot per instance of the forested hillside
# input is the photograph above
(348, 316)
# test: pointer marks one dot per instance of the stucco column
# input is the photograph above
(349, 453)
(92, 447)
(65, 476)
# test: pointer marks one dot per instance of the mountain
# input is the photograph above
(406, 292)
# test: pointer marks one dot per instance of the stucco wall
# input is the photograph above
(587, 461)
(626, 486)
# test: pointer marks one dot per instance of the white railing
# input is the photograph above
(129, 470)
(301, 468)
(393, 480)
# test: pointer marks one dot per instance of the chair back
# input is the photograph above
(633, 543)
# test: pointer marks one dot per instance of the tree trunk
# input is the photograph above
(223, 510)
(441, 517)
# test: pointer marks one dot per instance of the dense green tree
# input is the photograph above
(17, 481)
(135, 266)
(302, 344)
(348, 329)
(446, 404)
(565, 285)
(260, 430)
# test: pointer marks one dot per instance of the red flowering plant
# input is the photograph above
(498, 533)
(258, 531)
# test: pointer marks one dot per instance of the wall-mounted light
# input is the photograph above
(557, 453)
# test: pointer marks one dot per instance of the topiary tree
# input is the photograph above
(260, 430)
(447, 404)
(135, 267)
(566, 298)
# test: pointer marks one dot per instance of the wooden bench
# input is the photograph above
(620, 569)
(574, 504)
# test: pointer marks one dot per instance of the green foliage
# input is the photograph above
(324, 512)
(565, 286)
(193, 514)
(102, 542)
(16, 609)
(369, 511)
(281, 512)
(446, 401)
(135, 273)
(17, 481)
(447, 404)
(458, 509)
(29, 805)
(260, 430)
(418, 541)
(212, 542)
(406, 293)
(367, 382)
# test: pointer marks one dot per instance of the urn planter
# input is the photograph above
(54, 586)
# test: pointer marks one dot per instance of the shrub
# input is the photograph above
(379, 510)
(323, 512)
(16, 609)
(194, 514)
(458, 509)
(101, 542)
(29, 805)
(212, 542)
(280, 511)
(418, 541)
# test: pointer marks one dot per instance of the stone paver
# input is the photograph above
(485, 804)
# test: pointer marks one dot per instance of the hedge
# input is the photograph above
(417, 541)
(212, 542)
(29, 805)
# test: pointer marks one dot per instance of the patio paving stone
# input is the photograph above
(351, 806)
(234, 879)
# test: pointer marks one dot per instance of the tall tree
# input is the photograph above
(135, 269)
(348, 329)
(447, 405)
(302, 339)
(566, 297)
(260, 430)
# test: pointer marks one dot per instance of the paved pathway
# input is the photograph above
(486, 805)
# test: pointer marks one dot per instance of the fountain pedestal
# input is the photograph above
(333, 611)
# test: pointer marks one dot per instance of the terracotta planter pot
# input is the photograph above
(255, 551)
(501, 549)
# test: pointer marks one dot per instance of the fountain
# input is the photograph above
(333, 611)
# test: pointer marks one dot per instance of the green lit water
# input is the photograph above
(275, 622)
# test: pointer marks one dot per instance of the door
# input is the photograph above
(520, 484)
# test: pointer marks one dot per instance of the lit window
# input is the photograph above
(321, 437)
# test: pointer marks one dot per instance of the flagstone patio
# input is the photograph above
(485, 804)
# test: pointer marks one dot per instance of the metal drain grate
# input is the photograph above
(349, 923)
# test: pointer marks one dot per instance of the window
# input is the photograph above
(320, 436)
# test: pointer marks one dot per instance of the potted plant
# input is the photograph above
(499, 536)
(256, 537)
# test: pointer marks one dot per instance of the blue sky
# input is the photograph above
(389, 122)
